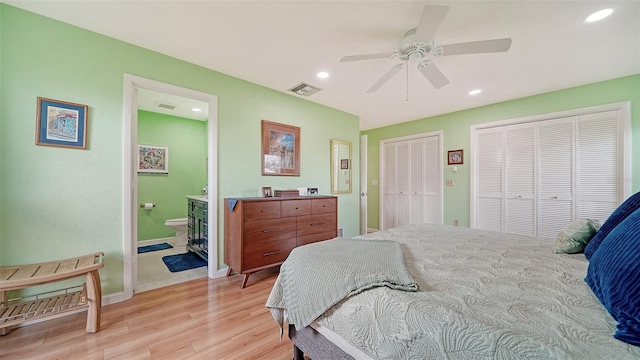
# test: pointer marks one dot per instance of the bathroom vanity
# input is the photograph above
(197, 228)
(260, 233)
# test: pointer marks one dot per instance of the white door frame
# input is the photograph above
(363, 184)
(130, 179)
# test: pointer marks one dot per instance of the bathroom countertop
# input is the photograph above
(196, 197)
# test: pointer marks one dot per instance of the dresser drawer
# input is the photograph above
(313, 224)
(319, 206)
(261, 210)
(308, 239)
(296, 208)
(267, 253)
(259, 231)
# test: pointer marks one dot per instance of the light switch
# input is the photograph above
(374, 182)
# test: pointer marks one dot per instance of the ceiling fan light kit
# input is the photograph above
(417, 45)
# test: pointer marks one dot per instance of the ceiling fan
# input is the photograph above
(418, 44)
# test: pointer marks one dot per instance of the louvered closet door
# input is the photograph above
(388, 187)
(433, 181)
(489, 175)
(402, 184)
(416, 181)
(520, 179)
(556, 176)
(598, 182)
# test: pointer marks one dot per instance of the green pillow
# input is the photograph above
(575, 237)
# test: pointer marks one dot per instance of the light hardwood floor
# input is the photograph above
(199, 319)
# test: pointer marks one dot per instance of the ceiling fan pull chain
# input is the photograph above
(407, 72)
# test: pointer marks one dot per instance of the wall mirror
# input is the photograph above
(340, 167)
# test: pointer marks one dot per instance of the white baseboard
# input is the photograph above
(221, 272)
(155, 241)
(372, 230)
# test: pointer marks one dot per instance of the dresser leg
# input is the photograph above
(229, 271)
(244, 281)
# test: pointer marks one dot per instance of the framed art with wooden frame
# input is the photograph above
(61, 124)
(280, 149)
(455, 157)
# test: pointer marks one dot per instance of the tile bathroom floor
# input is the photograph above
(154, 274)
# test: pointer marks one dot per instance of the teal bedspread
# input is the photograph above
(317, 276)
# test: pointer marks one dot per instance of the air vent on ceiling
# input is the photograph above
(165, 105)
(304, 89)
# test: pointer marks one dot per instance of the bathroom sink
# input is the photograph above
(197, 197)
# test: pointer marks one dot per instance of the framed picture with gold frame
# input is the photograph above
(61, 124)
(280, 149)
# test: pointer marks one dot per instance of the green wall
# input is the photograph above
(186, 141)
(456, 130)
(60, 202)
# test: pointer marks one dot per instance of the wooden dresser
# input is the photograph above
(261, 232)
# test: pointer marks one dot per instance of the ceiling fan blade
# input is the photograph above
(475, 47)
(367, 57)
(394, 70)
(432, 16)
(433, 74)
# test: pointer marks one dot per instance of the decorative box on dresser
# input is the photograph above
(260, 233)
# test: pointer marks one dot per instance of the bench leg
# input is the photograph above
(94, 297)
(4, 298)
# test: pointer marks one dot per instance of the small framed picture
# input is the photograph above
(344, 163)
(153, 159)
(266, 191)
(61, 124)
(312, 191)
(455, 157)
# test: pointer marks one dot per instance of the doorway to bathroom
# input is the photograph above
(185, 140)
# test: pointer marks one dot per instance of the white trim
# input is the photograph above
(624, 134)
(624, 106)
(131, 83)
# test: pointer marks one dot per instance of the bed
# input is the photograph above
(481, 295)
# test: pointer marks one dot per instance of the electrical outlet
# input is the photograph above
(455, 222)
(449, 182)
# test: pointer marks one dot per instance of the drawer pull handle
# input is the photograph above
(271, 253)
(316, 224)
(271, 230)
(297, 208)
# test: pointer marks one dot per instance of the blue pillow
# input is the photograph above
(617, 216)
(614, 277)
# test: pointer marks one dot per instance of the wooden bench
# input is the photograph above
(89, 295)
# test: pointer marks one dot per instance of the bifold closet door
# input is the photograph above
(411, 182)
(556, 159)
(490, 154)
(598, 162)
(520, 181)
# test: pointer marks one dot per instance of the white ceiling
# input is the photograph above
(279, 44)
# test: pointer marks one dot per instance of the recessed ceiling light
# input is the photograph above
(599, 15)
(323, 75)
(196, 109)
(475, 92)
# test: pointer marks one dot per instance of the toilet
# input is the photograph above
(180, 227)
